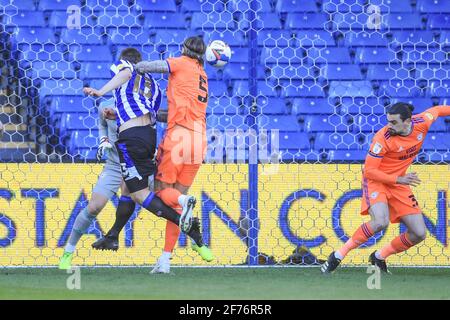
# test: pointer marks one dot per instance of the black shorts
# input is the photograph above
(136, 147)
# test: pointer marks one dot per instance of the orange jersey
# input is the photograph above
(390, 156)
(187, 94)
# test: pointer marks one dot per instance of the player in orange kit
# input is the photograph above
(183, 148)
(387, 194)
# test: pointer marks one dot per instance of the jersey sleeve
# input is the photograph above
(431, 114)
(119, 66)
(174, 64)
(374, 157)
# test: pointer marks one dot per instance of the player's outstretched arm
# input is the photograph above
(157, 66)
(118, 80)
(439, 111)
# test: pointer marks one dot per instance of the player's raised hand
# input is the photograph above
(410, 179)
(92, 92)
(109, 113)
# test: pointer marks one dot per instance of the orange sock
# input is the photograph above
(170, 197)
(399, 244)
(361, 235)
(172, 234)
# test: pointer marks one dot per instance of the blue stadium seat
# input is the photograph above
(225, 122)
(341, 72)
(433, 55)
(399, 88)
(57, 5)
(445, 38)
(166, 20)
(334, 141)
(290, 72)
(444, 102)
(281, 55)
(240, 88)
(263, 21)
(275, 38)
(244, 5)
(58, 19)
(114, 19)
(308, 21)
(392, 5)
(314, 38)
(239, 71)
(148, 52)
(294, 141)
(223, 105)
(281, 122)
(434, 157)
(404, 21)
(354, 6)
(344, 21)
(327, 123)
(25, 19)
(328, 55)
(18, 5)
(432, 72)
(80, 36)
(439, 125)
(201, 5)
(369, 123)
(413, 38)
(134, 36)
(420, 104)
(52, 69)
(232, 38)
(175, 37)
(365, 39)
(435, 6)
(216, 88)
(108, 5)
(436, 141)
(212, 20)
(363, 106)
(34, 35)
(77, 121)
(32, 54)
(285, 6)
(438, 21)
(91, 53)
(386, 72)
(71, 87)
(308, 89)
(271, 105)
(239, 55)
(346, 155)
(374, 55)
(83, 140)
(156, 5)
(350, 89)
(95, 70)
(68, 104)
(86, 154)
(312, 106)
(438, 89)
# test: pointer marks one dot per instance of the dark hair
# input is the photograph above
(403, 109)
(131, 55)
(194, 47)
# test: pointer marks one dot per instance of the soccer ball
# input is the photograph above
(218, 53)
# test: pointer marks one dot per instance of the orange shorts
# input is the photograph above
(400, 199)
(180, 155)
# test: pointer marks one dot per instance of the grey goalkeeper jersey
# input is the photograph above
(108, 128)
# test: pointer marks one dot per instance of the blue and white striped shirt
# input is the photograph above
(138, 96)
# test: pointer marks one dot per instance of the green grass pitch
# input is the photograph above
(224, 284)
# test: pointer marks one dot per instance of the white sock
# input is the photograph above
(377, 255)
(166, 255)
(338, 255)
(182, 199)
(69, 248)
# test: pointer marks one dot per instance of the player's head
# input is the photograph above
(194, 47)
(131, 55)
(399, 118)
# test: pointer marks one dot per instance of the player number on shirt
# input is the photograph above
(147, 92)
(201, 87)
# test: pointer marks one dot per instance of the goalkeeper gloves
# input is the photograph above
(104, 144)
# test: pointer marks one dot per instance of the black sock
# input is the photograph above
(155, 205)
(124, 211)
